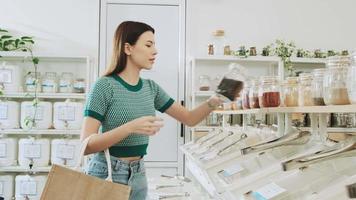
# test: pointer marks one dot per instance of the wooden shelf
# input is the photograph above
(24, 169)
(307, 109)
(39, 132)
(25, 95)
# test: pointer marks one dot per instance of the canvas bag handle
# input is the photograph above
(81, 157)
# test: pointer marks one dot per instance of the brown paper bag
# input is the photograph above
(63, 183)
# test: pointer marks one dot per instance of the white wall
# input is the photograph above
(325, 24)
(60, 27)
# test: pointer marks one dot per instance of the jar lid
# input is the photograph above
(291, 80)
(219, 32)
(269, 79)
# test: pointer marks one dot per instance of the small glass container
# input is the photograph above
(253, 94)
(291, 92)
(204, 83)
(316, 85)
(33, 82)
(66, 82)
(269, 92)
(305, 90)
(79, 85)
(245, 95)
(335, 86)
(219, 42)
(49, 82)
(351, 80)
(338, 61)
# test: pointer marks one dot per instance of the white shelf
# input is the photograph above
(19, 55)
(24, 169)
(334, 129)
(44, 95)
(39, 132)
(307, 109)
(204, 93)
(205, 127)
(269, 59)
(308, 60)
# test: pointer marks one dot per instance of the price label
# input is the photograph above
(39, 112)
(66, 113)
(28, 188)
(5, 76)
(32, 151)
(4, 112)
(2, 150)
(65, 151)
(269, 191)
(233, 169)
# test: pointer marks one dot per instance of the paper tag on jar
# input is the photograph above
(268, 191)
(39, 112)
(233, 169)
(1, 187)
(5, 76)
(65, 151)
(2, 150)
(3, 112)
(32, 151)
(66, 113)
(28, 188)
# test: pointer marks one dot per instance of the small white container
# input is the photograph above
(7, 186)
(29, 187)
(34, 151)
(9, 114)
(8, 152)
(65, 152)
(67, 115)
(11, 78)
(43, 119)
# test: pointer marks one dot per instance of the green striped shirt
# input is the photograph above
(114, 102)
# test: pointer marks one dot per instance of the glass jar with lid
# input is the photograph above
(79, 85)
(269, 92)
(351, 80)
(66, 82)
(232, 82)
(305, 90)
(317, 85)
(33, 82)
(219, 42)
(245, 95)
(49, 82)
(291, 92)
(204, 83)
(253, 94)
(338, 61)
(335, 90)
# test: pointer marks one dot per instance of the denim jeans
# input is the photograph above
(124, 172)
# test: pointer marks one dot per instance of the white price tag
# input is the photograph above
(1, 188)
(65, 151)
(5, 76)
(269, 191)
(39, 112)
(2, 150)
(32, 151)
(3, 112)
(233, 169)
(28, 188)
(66, 113)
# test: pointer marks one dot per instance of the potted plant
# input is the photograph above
(285, 51)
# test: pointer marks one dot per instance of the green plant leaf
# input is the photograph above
(17, 41)
(26, 38)
(3, 30)
(6, 36)
(35, 60)
(22, 43)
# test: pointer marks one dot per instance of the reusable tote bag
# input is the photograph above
(64, 183)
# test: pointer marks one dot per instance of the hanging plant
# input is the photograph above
(24, 43)
(285, 51)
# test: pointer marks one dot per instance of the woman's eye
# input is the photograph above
(148, 45)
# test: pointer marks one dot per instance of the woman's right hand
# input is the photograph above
(147, 125)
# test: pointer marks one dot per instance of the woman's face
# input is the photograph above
(144, 52)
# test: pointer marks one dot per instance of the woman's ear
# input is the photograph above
(127, 49)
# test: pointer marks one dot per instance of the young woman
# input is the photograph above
(124, 105)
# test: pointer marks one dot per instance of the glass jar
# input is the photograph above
(215, 82)
(253, 94)
(269, 92)
(79, 85)
(49, 82)
(232, 82)
(245, 95)
(66, 82)
(351, 81)
(338, 61)
(317, 84)
(219, 42)
(291, 92)
(204, 83)
(33, 82)
(305, 90)
(335, 90)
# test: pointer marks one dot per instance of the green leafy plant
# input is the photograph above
(266, 51)
(285, 50)
(9, 42)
